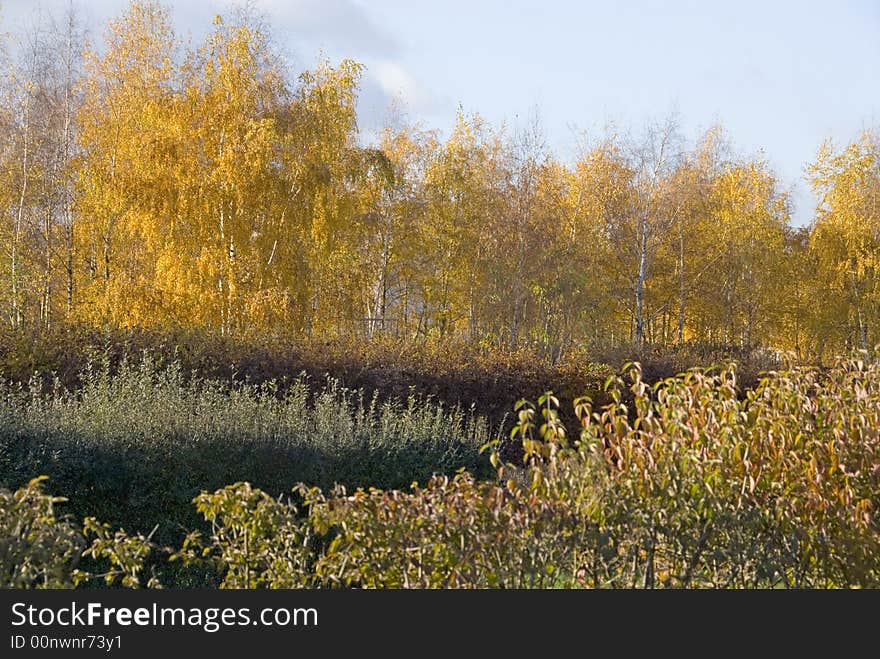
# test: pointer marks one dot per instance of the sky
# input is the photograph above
(780, 75)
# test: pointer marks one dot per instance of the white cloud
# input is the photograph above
(397, 82)
(339, 24)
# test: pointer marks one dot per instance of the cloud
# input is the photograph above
(339, 24)
(387, 82)
(341, 28)
(397, 82)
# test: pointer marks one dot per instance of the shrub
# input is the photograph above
(37, 549)
(457, 374)
(255, 541)
(135, 446)
(709, 489)
(40, 550)
(684, 483)
(690, 484)
(452, 533)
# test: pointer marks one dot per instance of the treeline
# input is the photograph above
(156, 182)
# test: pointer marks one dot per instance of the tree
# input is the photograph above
(322, 170)
(161, 182)
(59, 94)
(231, 210)
(464, 189)
(845, 239)
(753, 216)
(696, 234)
(124, 123)
(21, 170)
(396, 205)
(632, 195)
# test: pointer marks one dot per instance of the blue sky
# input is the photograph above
(780, 75)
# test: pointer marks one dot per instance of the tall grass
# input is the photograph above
(134, 444)
(686, 483)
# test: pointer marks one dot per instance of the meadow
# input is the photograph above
(158, 476)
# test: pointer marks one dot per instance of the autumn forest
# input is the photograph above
(154, 182)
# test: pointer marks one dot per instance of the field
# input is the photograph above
(687, 481)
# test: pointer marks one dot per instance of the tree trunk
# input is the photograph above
(640, 282)
(68, 233)
(682, 288)
(47, 265)
(15, 311)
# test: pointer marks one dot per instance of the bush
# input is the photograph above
(256, 541)
(135, 446)
(37, 549)
(684, 483)
(453, 533)
(40, 550)
(710, 489)
(691, 484)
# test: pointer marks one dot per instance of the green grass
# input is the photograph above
(690, 483)
(134, 444)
